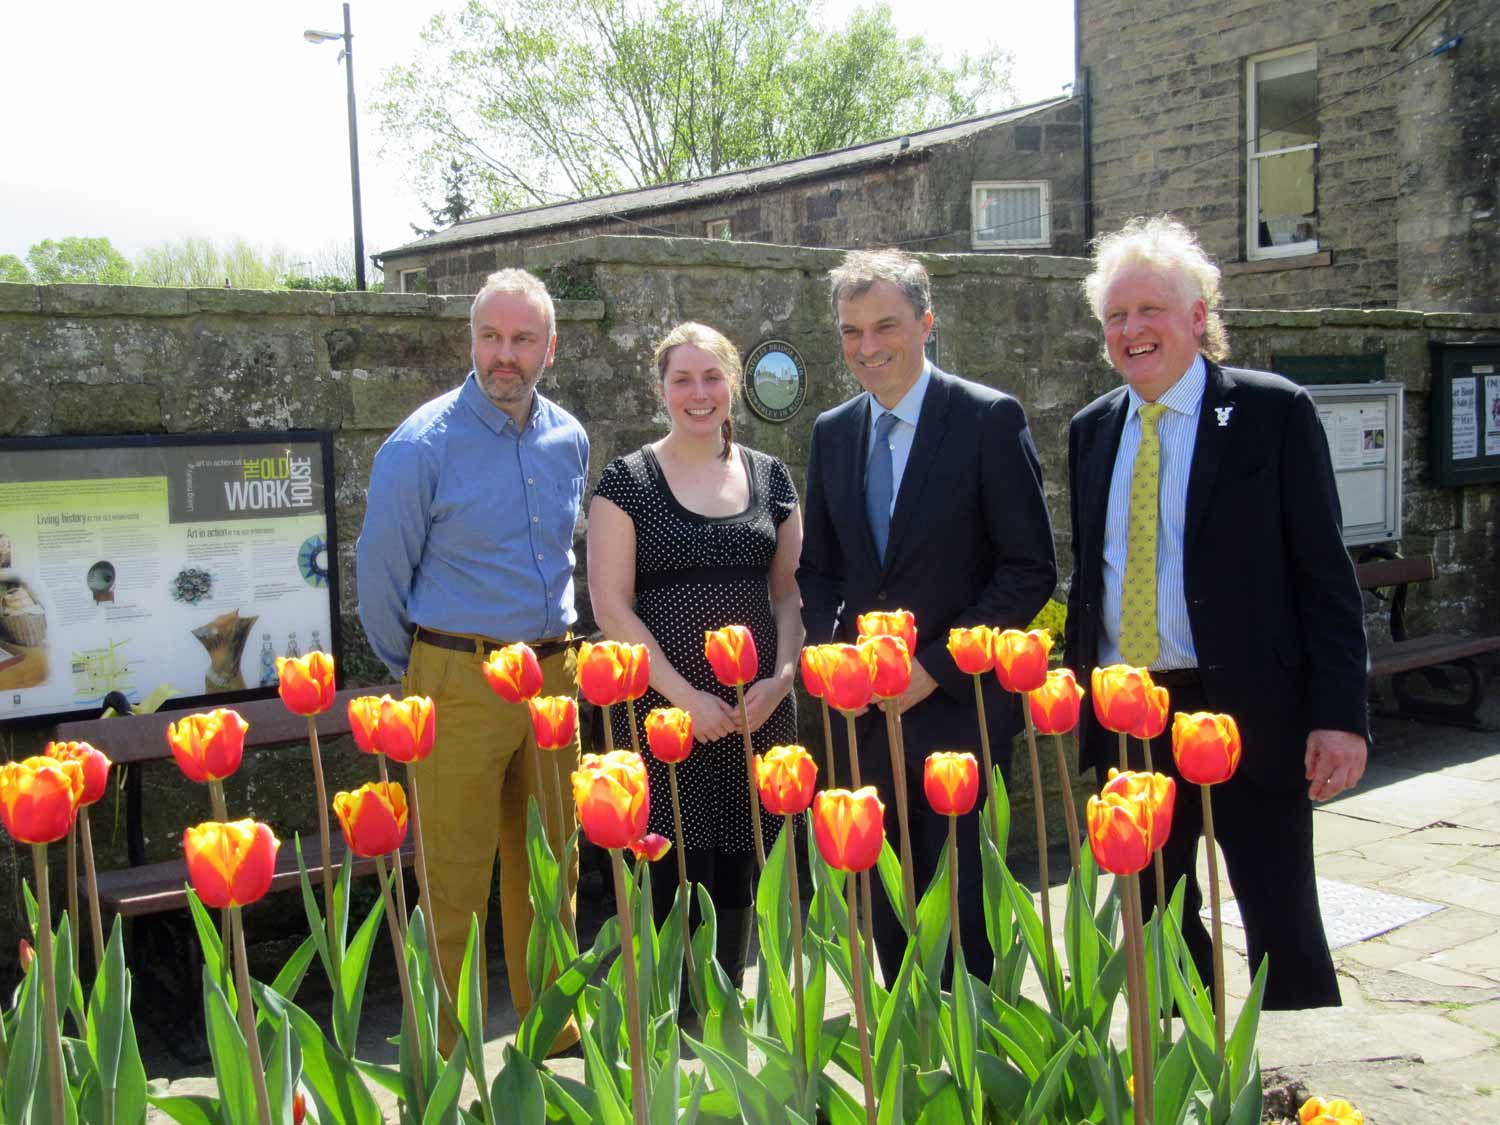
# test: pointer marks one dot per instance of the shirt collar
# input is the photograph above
(491, 415)
(1183, 396)
(909, 409)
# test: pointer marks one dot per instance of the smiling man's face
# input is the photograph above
(1151, 330)
(883, 341)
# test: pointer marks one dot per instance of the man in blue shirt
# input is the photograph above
(467, 546)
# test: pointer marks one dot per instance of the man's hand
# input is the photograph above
(922, 685)
(1335, 762)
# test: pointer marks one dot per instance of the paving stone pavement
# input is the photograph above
(1418, 1037)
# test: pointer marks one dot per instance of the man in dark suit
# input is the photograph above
(923, 493)
(1207, 547)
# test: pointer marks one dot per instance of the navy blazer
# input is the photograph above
(1275, 611)
(970, 538)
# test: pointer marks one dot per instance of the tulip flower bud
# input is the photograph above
(786, 777)
(889, 623)
(951, 782)
(513, 673)
(1206, 747)
(1119, 839)
(230, 864)
(306, 682)
(973, 650)
(373, 817)
(731, 653)
(669, 733)
(299, 1108)
(26, 955)
(95, 767)
(1021, 658)
(1316, 1111)
(1054, 705)
(407, 728)
(890, 665)
(613, 798)
(208, 746)
(849, 827)
(554, 720)
(39, 798)
(603, 672)
(1154, 715)
(651, 847)
(848, 676)
(812, 674)
(637, 670)
(1155, 792)
(364, 717)
(1119, 693)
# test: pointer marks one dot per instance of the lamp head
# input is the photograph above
(314, 36)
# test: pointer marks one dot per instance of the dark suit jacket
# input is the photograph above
(970, 541)
(1275, 612)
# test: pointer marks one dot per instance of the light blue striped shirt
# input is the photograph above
(469, 524)
(1177, 429)
(903, 432)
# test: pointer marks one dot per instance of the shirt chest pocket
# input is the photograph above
(560, 512)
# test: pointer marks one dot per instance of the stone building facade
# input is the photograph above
(928, 192)
(1339, 154)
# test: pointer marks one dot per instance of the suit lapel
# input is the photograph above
(1098, 470)
(932, 426)
(1208, 450)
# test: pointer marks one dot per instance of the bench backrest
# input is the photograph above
(1394, 572)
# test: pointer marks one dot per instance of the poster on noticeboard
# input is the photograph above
(132, 563)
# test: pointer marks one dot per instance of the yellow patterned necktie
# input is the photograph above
(1139, 642)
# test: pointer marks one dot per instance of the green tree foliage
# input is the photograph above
(457, 206)
(198, 263)
(13, 269)
(547, 99)
(93, 260)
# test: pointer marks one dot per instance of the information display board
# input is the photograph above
(1363, 423)
(1465, 413)
(127, 563)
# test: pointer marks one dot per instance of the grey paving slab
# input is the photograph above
(1403, 1091)
(1347, 1034)
(1333, 831)
(1481, 1017)
(1452, 887)
(1414, 800)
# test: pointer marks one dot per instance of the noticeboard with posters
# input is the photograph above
(189, 561)
(1363, 424)
(1465, 402)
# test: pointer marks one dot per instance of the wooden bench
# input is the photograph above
(1446, 660)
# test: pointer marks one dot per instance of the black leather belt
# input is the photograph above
(1172, 678)
(483, 646)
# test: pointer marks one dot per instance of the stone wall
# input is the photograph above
(97, 360)
(1406, 159)
(921, 201)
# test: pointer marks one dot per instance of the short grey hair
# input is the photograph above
(861, 269)
(1168, 245)
(522, 283)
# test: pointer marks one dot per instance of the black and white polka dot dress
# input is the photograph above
(694, 573)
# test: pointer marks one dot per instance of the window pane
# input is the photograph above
(1288, 197)
(1286, 106)
(1010, 214)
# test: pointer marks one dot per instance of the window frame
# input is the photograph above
(402, 275)
(1254, 251)
(724, 224)
(1044, 201)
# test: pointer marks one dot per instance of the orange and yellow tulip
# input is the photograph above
(1337, 1111)
(1021, 658)
(373, 817)
(554, 720)
(95, 767)
(306, 682)
(364, 717)
(513, 673)
(407, 728)
(1206, 747)
(651, 847)
(951, 781)
(230, 864)
(1119, 693)
(849, 827)
(208, 746)
(669, 733)
(812, 672)
(1154, 715)
(973, 650)
(1055, 705)
(848, 679)
(1119, 833)
(890, 665)
(613, 798)
(603, 672)
(1154, 791)
(786, 778)
(39, 797)
(889, 623)
(731, 653)
(637, 670)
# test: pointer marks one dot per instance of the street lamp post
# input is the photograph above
(347, 56)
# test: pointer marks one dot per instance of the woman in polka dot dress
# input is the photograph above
(690, 533)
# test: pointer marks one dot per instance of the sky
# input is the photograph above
(165, 119)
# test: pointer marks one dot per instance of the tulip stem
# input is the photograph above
(96, 921)
(402, 912)
(424, 897)
(953, 896)
(1135, 977)
(609, 733)
(335, 946)
(898, 776)
(75, 931)
(221, 814)
(409, 1037)
(828, 763)
(556, 821)
(864, 876)
(632, 991)
(247, 1018)
(799, 1033)
(984, 749)
(856, 979)
(1218, 919)
(48, 977)
(1070, 810)
(760, 845)
(1124, 757)
(1161, 908)
(1040, 806)
(687, 895)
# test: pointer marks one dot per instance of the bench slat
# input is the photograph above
(1394, 572)
(1422, 652)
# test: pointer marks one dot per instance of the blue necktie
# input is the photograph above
(880, 487)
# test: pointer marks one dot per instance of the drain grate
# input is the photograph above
(1351, 913)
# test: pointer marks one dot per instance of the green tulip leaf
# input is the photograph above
(442, 1103)
(334, 1083)
(188, 1109)
(470, 1003)
(568, 1098)
(518, 1087)
(111, 1038)
(230, 1056)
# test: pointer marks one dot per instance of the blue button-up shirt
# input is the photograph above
(1177, 431)
(903, 432)
(469, 524)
